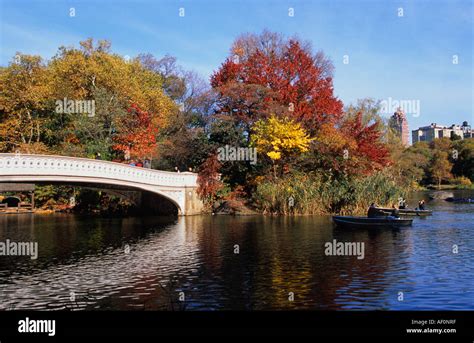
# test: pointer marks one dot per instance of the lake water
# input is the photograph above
(238, 263)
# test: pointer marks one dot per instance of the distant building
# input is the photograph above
(399, 123)
(467, 131)
(433, 131)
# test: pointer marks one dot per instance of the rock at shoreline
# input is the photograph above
(233, 207)
(442, 195)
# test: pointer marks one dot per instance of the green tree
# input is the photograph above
(462, 156)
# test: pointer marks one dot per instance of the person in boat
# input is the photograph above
(395, 212)
(421, 205)
(403, 204)
(373, 211)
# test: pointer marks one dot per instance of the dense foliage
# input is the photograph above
(272, 94)
(443, 161)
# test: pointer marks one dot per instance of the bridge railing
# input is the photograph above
(27, 164)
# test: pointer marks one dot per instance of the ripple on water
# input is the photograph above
(278, 256)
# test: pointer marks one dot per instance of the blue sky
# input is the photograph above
(407, 57)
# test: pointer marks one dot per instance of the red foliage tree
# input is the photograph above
(208, 180)
(370, 151)
(267, 74)
(137, 133)
(287, 79)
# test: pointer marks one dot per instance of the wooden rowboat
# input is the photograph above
(365, 222)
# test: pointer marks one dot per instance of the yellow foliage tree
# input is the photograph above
(30, 88)
(25, 90)
(80, 72)
(279, 138)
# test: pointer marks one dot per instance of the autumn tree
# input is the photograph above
(25, 101)
(208, 180)
(117, 85)
(368, 150)
(331, 152)
(30, 89)
(440, 167)
(137, 132)
(443, 144)
(183, 141)
(435, 162)
(412, 163)
(268, 74)
(355, 146)
(279, 139)
(80, 72)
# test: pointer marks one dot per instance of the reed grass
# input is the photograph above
(301, 194)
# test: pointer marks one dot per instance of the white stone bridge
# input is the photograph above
(177, 188)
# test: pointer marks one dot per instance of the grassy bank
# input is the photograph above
(301, 194)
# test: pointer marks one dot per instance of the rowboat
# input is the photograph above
(365, 222)
(407, 211)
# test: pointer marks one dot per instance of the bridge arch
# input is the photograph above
(178, 188)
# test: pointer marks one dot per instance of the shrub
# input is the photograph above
(461, 182)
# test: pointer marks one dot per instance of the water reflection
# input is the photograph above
(197, 256)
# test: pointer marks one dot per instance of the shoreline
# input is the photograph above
(233, 207)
